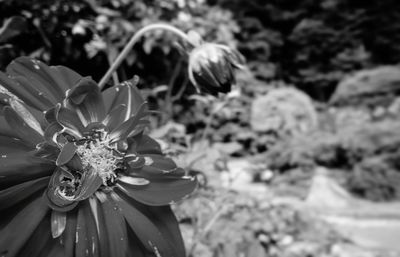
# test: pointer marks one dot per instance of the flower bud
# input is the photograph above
(211, 67)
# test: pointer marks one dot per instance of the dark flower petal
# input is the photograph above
(136, 182)
(21, 128)
(99, 219)
(126, 93)
(115, 117)
(68, 237)
(51, 114)
(58, 223)
(115, 226)
(70, 121)
(162, 192)
(51, 132)
(75, 163)
(161, 162)
(90, 182)
(159, 167)
(53, 196)
(223, 72)
(235, 58)
(58, 204)
(46, 151)
(22, 110)
(150, 229)
(143, 144)
(87, 100)
(12, 145)
(15, 194)
(39, 241)
(53, 249)
(22, 226)
(135, 247)
(167, 223)
(34, 87)
(33, 117)
(29, 95)
(67, 152)
(152, 172)
(211, 67)
(4, 99)
(66, 77)
(135, 163)
(86, 233)
(52, 81)
(5, 129)
(17, 168)
(132, 125)
(208, 82)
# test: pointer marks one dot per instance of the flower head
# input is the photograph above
(211, 67)
(78, 175)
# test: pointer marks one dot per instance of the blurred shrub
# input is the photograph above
(87, 35)
(283, 110)
(312, 43)
(371, 87)
(368, 151)
(226, 224)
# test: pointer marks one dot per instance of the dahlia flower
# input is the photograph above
(211, 67)
(78, 175)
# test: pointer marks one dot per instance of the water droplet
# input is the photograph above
(117, 89)
(122, 239)
(36, 66)
(4, 156)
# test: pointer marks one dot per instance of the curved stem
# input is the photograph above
(134, 39)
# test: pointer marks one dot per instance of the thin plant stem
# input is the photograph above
(134, 39)
(168, 95)
(181, 90)
(110, 58)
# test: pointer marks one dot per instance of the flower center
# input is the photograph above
(97, 154)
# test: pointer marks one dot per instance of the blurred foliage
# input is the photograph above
(366, 149)
(312, 43)
(222, 223)
(284, 110)
(330, 50)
